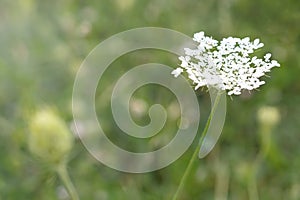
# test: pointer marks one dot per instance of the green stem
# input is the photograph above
(196, 152)
(252, 185)
(64, 176)
(252, 188)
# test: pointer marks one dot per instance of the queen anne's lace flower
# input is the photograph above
(226, 65)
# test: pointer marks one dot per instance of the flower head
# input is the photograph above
(226, 65)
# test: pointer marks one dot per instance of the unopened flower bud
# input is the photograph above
(268, 115)
(49, 137)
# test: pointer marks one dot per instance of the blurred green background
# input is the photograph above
(42, 44)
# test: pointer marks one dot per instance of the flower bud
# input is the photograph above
(49, 137)
(268, 115)
(268, 118)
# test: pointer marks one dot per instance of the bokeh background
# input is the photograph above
(42, 44)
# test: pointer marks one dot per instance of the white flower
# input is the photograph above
(177, 72)
(226, 65)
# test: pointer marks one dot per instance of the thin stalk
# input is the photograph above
(194, 156)
(252, 186)
(64, 176)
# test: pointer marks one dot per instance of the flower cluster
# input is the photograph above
(226, 65)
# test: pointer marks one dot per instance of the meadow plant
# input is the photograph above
(51, 142)
(228, 66)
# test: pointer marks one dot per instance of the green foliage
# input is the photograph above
(42, 46)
